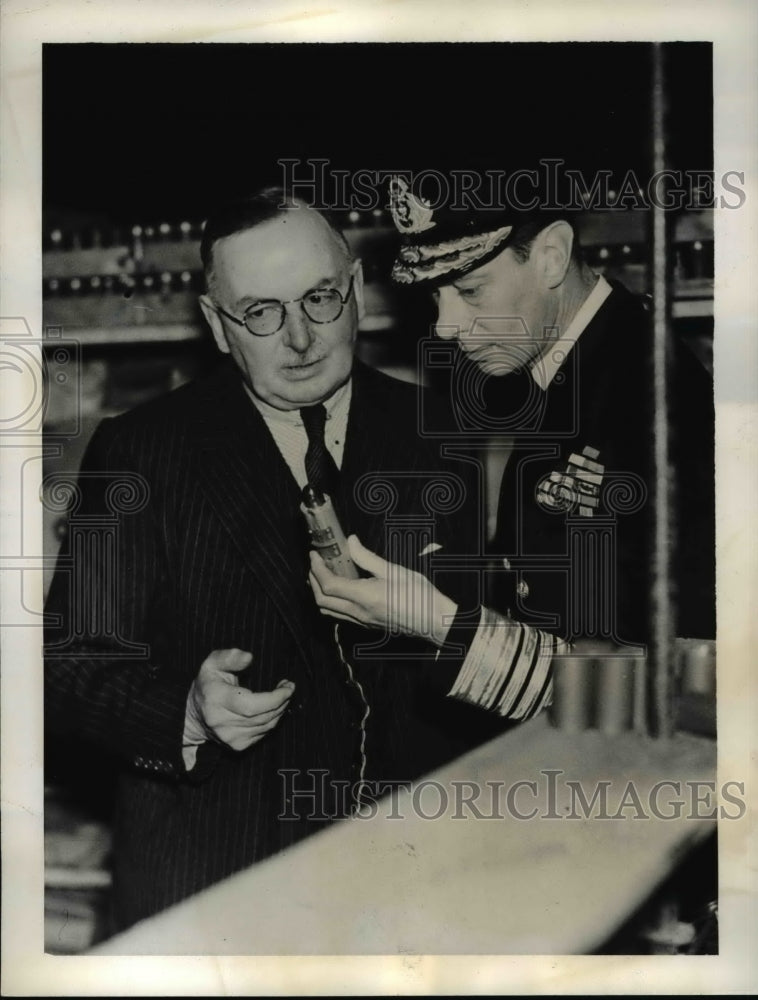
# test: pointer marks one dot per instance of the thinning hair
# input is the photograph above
(253, 210)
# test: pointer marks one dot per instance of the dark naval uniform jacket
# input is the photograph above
(575, 518)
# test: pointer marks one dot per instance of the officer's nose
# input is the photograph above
(298, 333)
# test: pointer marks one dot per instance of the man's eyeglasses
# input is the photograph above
(322, 305)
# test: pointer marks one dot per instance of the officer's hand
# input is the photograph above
(393, 597)
(228, 713)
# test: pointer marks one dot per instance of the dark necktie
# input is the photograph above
(320, 467)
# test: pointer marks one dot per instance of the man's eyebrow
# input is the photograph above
(250, 300)
(331, 279)
(471, 277)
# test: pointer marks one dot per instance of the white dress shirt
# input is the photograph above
(288, 430)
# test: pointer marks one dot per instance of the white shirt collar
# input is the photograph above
(545, 368)
(338, 402)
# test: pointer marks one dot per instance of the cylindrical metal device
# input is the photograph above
(571, 709)
(327, 536)
(615, 694)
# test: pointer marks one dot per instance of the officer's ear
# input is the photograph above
(556, 243)
(214, 322)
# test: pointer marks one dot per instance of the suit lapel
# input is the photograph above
(256, 499)
(254, 496)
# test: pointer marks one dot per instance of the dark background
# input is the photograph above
(147, 132)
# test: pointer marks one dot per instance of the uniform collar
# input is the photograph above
(545, 368)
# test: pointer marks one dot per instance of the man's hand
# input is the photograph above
(393, 597)
(223, 711)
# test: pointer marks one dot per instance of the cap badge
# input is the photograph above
(409, 214)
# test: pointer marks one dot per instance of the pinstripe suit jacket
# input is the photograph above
(208, 551)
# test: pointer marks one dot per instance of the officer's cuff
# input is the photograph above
(461, 635)
(507, 669)
(440, 675)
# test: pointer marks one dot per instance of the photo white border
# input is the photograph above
(733, 27)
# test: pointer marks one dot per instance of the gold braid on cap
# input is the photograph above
(421, 263)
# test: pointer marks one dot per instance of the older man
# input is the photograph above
(561, 363)
(244, 721)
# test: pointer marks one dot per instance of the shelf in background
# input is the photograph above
(165, 333)
(682, 308)
(608, 228)
(146, 289)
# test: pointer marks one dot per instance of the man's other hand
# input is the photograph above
(223, 711)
